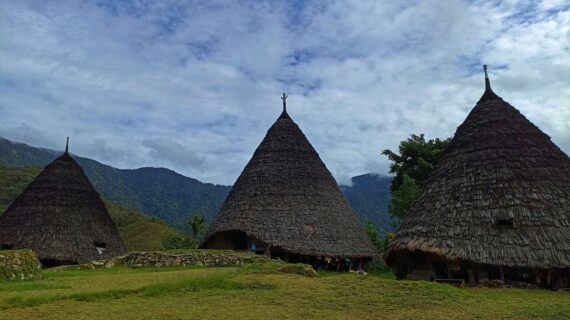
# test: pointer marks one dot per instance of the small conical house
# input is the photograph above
(497, 205)
(287, 204)
(61, 218)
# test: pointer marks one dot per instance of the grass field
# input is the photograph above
(241, 293)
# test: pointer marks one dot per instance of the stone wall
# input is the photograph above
(186, 258)
(200, 258)
(19, 265)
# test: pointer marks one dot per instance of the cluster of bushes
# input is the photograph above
(179, 241)
(198, 225)
(378, 265)
(19, 265)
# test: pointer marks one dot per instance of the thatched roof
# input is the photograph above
(500, 195)
(61, 217)
(286, 197)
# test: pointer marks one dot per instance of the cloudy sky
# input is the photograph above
(194, 85)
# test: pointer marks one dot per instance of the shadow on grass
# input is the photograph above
(31, 285)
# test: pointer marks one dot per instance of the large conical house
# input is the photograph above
(61, 218)
(286, 204)
(497, 206)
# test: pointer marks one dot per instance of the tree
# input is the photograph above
(197, 223)
(417, 158)
(403, 198)
(412, 166)
(373, 234)
(378, 265)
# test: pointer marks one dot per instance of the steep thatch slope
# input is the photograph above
(500, 195)
(61, 217)
(138, 231)
(285, 196)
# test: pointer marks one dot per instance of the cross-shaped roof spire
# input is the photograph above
(284, 98)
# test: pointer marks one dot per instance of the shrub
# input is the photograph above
(179, 242)
(19, 265)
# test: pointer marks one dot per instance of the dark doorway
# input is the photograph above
(52, 263)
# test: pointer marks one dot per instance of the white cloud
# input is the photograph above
(195, 85)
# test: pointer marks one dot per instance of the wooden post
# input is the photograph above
(476, 272)
(502, 272)
(548, 279)
(431, 269)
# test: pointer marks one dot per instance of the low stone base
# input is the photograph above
(495, 283)
(160, 259)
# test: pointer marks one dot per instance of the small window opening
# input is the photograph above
(5, 246)
(505, 222)
(100, 247)
(309, 229)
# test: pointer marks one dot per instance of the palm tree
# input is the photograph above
(197, 223)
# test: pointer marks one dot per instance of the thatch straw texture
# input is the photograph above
(287, 198)
(500, 195)
(61, 217)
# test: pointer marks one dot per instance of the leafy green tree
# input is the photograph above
(403, 197)
(197, 223)
(417, 157)
(379, 242)
(372, 233)
(412, 165)
(378, 265)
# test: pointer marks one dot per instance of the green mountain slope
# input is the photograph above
(173, 198)
(369, 196)
(138, 231)
(13, 181)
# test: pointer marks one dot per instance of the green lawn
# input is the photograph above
(239, 293)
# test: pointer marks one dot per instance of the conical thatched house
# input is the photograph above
(497, 206)
(61, 218)
(287, 204)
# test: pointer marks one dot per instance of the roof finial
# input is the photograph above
(284, 98)
(488, 94)
(67, 146)
(487, 82)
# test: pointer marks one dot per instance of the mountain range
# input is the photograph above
(174, 198)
